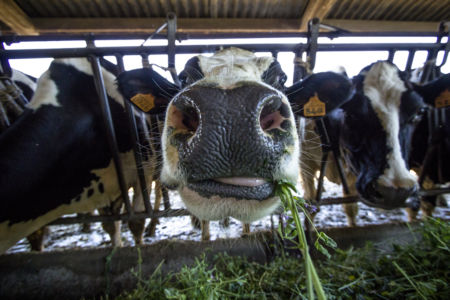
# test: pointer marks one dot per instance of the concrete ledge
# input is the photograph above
(74, 274)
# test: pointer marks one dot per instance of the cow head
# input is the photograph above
(376, 127)
(230, 133)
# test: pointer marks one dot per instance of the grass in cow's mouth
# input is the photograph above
(419, 270)
(295, 233)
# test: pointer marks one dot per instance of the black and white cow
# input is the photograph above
(55, 160)
(437, 95)
(230, 132)
(16, 88)
(373, 131)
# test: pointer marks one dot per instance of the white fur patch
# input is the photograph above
(232, 65)
(45, 93)
(217, 208)
(384, 88)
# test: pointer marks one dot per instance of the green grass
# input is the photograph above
(420, 270)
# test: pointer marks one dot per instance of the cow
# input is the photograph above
(437, 95)
(373, 132)
(16, 89)
(55, 159)
(14, 85)
(229, 134)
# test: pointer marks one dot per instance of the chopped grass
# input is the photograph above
(420, 270)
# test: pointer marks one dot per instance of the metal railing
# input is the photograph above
(311, 48)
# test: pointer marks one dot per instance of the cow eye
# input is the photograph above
(417, 117)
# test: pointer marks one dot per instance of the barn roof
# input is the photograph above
(31, 17)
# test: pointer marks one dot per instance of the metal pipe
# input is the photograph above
(171, 32)
(323, 166)
(129, 110)
(122, 217)
(109, 127)
(313, 35)
(391, 55)
(194, 49)
(410, 60)
(222, 35)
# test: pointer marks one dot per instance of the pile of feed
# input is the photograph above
(419, 270)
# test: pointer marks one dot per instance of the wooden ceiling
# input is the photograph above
(38, 17)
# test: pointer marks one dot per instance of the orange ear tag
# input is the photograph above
(443, 100)
(144, 101)
(314, 107)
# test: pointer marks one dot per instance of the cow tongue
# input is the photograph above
(242, 181)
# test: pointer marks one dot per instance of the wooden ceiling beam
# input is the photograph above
(383, 26)
(146, 25)
(316, 9)
(13, 16)
(209, 26)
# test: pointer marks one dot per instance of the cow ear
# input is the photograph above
(191, 73)
(147, 90)
(274, 75)
(319, 94)
(437, 92)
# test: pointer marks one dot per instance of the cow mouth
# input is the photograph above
(240, 188)
(386, 197)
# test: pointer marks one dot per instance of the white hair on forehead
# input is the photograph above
(384, 87)
(232, 65)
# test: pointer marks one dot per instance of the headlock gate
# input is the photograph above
(302, 67)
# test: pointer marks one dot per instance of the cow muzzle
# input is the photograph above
(385, 197)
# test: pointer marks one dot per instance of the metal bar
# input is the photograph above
(323, 129)
(409, 61)
(129, 110)
(6, 68)
(300, 71)
(183, 36)
(122, 217)
(183, 212)
(434, 192)
(171, 32)
(166, 200)
(391, 55)
(313, 35)
(323, 166)
(111, 136)
(154, 34)
(194, 49)
(145, 61)
(337, 161)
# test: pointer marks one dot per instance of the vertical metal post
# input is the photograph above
(300, 69)
(135, 140)
(6, 68)
(313, 35)
(110, 133)
(171, 35)
(391, 55)
(410, 60)
(145, 61)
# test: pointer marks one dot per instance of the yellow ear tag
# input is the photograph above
(443, 100)
(144, 101)
(314, 107)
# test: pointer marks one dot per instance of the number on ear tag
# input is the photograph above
(443, 100)
(314, 107)
(144, 101)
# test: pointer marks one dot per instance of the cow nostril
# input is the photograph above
(270, 116)
(184, 117)
(190, 119)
